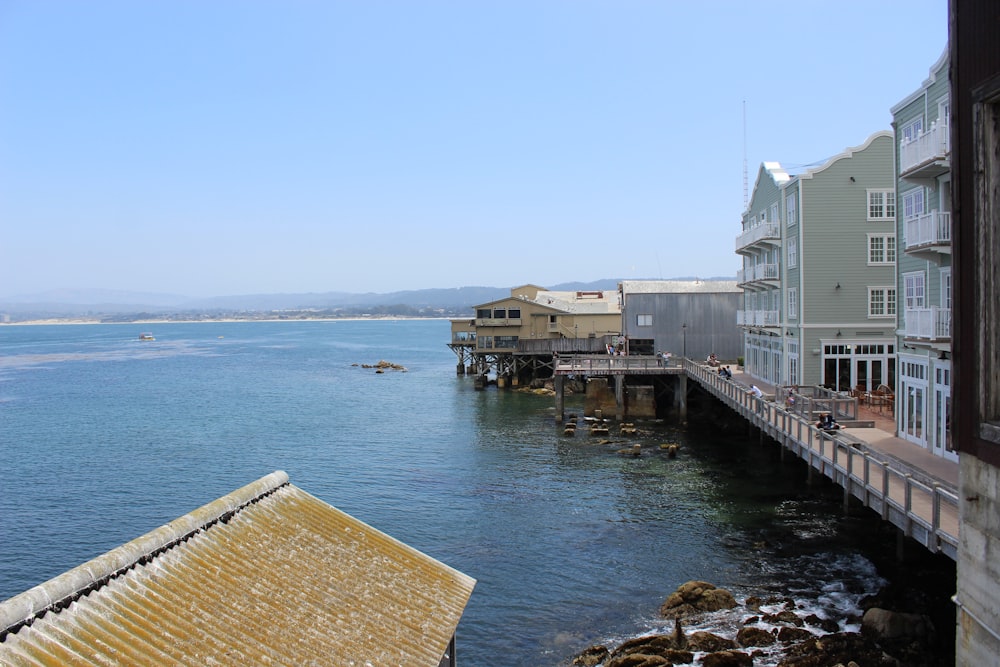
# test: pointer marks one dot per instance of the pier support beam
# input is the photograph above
(620, 397)
(559, 384)
(680, 397)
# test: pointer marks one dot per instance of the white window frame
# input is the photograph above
(887, 300)
(913, 203)
(792, 252)
(915, 290)
(791, 210)
(793, 303)
(881, 204)
(946, 288)
(912, 130)
(944, 111)
(644, 320)
(881, 249)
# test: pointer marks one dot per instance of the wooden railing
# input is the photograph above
(923, 508)
(605, 364)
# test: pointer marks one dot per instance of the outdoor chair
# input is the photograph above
(883, 396)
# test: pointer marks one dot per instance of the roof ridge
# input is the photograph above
(60, 591)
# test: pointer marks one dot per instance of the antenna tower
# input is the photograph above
(745, 186)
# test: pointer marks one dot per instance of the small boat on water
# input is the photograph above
(146, 336)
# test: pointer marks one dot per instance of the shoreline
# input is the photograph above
(67, 321)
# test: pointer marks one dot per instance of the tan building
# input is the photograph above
(516, 333)
(265, 575)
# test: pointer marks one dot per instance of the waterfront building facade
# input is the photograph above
(520, 332)
(924, 266)
(692, 318)
(818, 274)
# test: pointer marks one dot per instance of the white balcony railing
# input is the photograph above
(935, 144)
(932, 323)
(758, 273)
(932, 228)
(765, 231)
(757, 318)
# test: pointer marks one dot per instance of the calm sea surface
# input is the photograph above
(104, 437)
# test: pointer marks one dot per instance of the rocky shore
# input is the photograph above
(773, 631)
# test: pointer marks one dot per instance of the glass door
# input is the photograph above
(912, 418)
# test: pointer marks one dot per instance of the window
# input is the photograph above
(881, 205)
(514, 313)
(791, 213)
(914, 291)
(793, 302)
(774, 213)
(881, 302)
(881, 249)
(644, 320)
(793, 253)
(484, 313)
(505, 342)
(946, 288)
(912, 130)
(499, 313)
(913, 203)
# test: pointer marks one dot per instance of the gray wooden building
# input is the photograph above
(693, 318)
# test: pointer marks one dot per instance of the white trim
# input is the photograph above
(931, 78)
(885, 237)
(884, 288)
(849, 152)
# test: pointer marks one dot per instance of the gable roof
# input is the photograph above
(265, 575)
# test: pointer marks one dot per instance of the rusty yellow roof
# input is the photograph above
(268, 575)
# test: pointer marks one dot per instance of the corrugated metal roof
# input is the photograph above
(582, 303)
(679, 286)
(266, 575)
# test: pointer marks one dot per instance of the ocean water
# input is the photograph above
(104, 437)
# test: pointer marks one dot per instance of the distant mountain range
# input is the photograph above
(95, 303)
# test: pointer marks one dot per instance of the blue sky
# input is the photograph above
(238, 147)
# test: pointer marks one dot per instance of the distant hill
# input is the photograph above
(458, 301)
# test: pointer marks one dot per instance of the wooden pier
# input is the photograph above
(901, 486)
(924, 506)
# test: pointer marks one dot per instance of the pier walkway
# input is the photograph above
(907, 485)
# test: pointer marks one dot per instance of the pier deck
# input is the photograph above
(908, 486)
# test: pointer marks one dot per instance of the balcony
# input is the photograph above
(930, 232)
(757, 318)
(762, 273)
(498, 322)
(766, 232)
(928, 324)
(927, 156)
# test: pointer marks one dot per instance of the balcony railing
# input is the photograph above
(931, 228)
(770, 231)
(498, 322)
(927, 323)
(761, 272)
(757, 318)
(929, 147)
